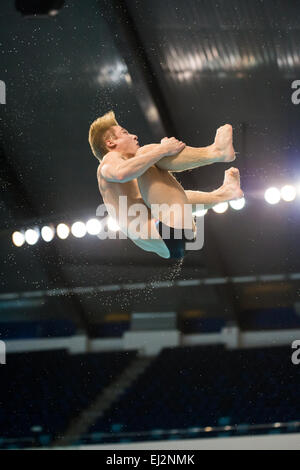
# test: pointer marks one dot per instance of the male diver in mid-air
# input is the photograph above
(143, 175)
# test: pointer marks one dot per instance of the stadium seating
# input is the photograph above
(202, 325)
(202, 387)
(184, 389)
(36, 329)
(41, 392)
(282, 318)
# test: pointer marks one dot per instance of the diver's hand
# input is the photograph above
(171, 146)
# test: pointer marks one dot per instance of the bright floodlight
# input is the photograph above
(62, 231)
(78, 229)
(112, 225)
(32, 236)
(272, 195)
(238, 204)
(200, 213)
(288, 193)
(221, 207)
(93, 227)
(47, 234)
(18, 239)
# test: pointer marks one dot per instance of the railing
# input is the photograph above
(193, 432)
(41, 440)
(57, 292)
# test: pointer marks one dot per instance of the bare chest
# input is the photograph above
(110, 191)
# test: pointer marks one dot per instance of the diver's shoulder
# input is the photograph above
(104, 160)
(111, 154)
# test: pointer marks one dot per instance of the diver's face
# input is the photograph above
(124, 142)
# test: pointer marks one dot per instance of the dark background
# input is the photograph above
(167, 68)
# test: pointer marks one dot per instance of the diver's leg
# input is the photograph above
(141, 228)
(154, 243)
(159, 188)
(231, 189)
(193, 157)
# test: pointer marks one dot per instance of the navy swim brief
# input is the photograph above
(175, 239)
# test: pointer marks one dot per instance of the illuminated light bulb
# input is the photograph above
(18, 239)
(78, 229)
(288, 193)
(272, 195)
(32, 236)
(238, 204)
(47, 233)
(200, 213)
(93, 227)
(63, 231)
(221, 207)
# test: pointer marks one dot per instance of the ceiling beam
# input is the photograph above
(146, 86)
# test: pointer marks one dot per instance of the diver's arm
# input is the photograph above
(118, 169)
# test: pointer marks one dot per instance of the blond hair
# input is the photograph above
(100, 130)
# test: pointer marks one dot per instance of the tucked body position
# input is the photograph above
(144, 176)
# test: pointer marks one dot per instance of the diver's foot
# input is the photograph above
(231, 188)
(223, 144)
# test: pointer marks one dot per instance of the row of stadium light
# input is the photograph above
(62, 231)
(222, 207)
(94, 226)
(287, 193)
